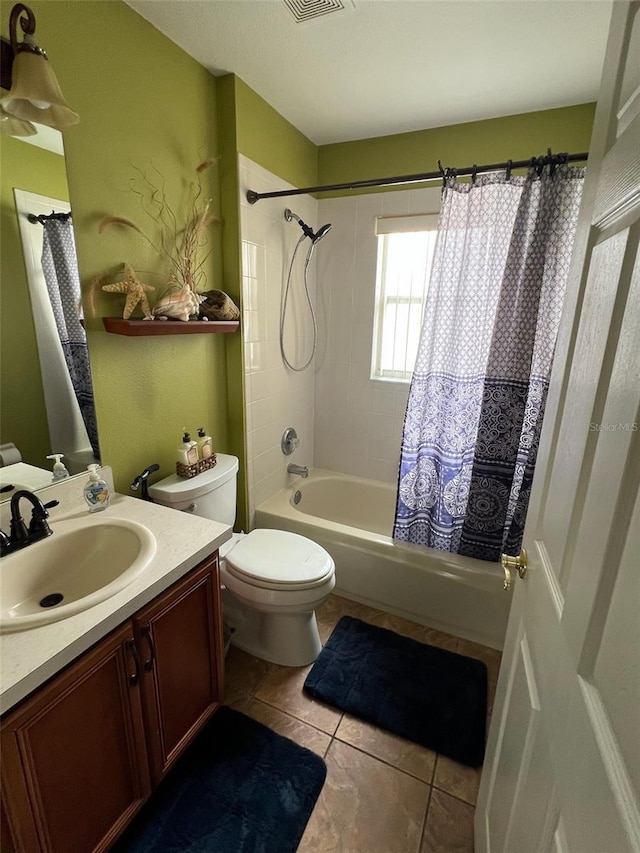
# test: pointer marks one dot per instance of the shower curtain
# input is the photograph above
(477, 396)
(60, 267)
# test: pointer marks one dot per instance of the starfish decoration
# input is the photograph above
(136, 292)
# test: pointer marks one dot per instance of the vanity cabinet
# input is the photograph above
(179, 636)
(82, 754)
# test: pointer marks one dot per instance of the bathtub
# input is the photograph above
(353, 519)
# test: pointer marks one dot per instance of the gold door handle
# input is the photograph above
(518, 563)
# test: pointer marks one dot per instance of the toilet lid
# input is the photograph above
(277, 556)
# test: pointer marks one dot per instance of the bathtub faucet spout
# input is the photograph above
(301, 470)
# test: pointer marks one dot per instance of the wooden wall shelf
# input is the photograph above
(139, 328)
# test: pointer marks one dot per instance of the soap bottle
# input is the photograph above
(96, 491)
(59, 470)
(205, 444)
(188, 450)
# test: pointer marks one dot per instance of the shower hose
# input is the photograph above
(284, 307)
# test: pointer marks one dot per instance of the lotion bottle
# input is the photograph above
(96, 491)
(59, 470)
(205, 444)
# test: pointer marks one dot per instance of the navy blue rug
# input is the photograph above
(425, 694)
(239, 788)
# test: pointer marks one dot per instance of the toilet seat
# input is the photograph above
(277, 559)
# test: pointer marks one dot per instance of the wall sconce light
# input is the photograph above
(34, 92)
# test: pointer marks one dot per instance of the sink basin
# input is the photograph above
(84, 562)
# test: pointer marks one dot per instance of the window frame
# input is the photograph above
(386, 226)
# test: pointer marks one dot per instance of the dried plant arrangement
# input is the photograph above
(183, 239)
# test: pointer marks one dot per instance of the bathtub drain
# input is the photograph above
(297, 497)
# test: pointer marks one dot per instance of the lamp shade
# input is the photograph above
(12, 126)
(35, 93)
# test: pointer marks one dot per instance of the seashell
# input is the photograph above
(178, 306)
(218, 305)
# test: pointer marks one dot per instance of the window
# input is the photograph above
(405, 256)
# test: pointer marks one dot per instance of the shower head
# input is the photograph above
(320, 233)
(308, 232)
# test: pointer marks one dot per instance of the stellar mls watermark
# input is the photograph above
(605, 426)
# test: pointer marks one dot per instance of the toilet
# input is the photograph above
(272, 580)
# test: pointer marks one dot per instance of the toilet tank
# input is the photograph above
(211, 494)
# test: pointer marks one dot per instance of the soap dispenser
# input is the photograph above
(205, 444)
(96, 491)
(188, 450)
(59, 470)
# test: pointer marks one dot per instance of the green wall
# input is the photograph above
(23, 417)
(267, 138)
(247, 124)
(496, 140)
(227, 145)
(142, 103)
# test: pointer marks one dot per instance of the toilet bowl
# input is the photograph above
(273, 580)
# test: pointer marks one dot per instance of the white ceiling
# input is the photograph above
(387, 66)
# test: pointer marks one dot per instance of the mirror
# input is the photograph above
(45, 381)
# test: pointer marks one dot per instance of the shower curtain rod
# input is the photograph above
(538, 162)
(43, 217)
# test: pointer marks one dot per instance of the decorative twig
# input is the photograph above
(181, 247)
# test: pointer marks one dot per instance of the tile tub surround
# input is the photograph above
(358, 420)
(275, 396)
(28, 658)
(382, 793)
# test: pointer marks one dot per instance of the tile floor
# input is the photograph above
(383, 794)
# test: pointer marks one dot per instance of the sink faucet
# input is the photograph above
(20, 536)
(301, 470)
(141, 481)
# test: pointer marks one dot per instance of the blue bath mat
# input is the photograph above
(239, 788)
(428, 695)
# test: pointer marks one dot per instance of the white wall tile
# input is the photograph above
(275, 396)
(346, 421)
(358, 421)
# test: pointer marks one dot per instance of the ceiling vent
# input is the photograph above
(309, 10)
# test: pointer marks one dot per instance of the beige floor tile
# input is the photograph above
(288, 726)
(456, 779)
(449, 826)
(243, 673)
(282, 688)
(365, 807)
(437, 638)
(413, 630)
(335, 607)
(401, 753)
(325, 629)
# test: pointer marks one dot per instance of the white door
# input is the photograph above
(562, 771)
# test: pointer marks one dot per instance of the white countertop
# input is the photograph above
(28, 658)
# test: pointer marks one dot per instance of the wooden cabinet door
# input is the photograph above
(179, 636)
(74, 765)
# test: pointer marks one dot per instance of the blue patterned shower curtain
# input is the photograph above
(477, 397)
(60, 266)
